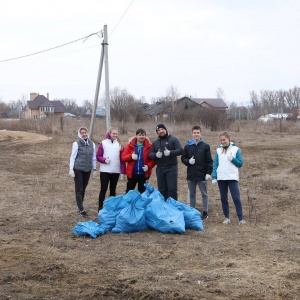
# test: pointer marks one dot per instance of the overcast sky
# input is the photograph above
(196, 46)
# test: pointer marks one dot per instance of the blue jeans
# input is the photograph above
(233, 186)
(192, 184)
(167, 181)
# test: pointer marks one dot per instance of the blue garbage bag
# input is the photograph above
(192, 216)
(150, 194)
(112, 207)
(131, 219)
(164, 217)
(90, 228)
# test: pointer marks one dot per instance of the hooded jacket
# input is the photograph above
(203, 160)
(83, 156)
(143, 157)
(171, 143)
(111, 149)
(223, 168)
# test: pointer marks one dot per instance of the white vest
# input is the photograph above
(226, 169)
(111, 150)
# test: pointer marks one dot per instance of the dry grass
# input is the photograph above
(41, 259)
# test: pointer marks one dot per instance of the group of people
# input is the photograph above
(137, 159)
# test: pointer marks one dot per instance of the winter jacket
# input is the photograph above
(203, 160)
(171, 143)
(223, 168)
(111, 149)
(83, 156)
(135, 166)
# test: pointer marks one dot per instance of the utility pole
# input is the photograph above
(103, 57)
(97, 92)
(107, 100)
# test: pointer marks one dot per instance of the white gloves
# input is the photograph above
(214, 181)
(192, 160)
(207, 176)
(122, 177)
(94, 174)
(71, 173)
(134, 156)
(167, 152)
(107, 160)
(229, 156)
(159, 154)
(145, 168)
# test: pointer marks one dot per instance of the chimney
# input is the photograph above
(33, 96)
(48, 96)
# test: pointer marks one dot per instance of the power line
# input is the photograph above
(35, 53)
(122, 17)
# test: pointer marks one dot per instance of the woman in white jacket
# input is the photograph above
(109, 156)
(227, 162)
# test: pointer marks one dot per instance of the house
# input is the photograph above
(100, 112)
(165, 108)
(40, 106)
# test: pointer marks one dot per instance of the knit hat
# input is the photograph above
(160, 126)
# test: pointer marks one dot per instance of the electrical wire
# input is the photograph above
(121, 17)
(42, 51)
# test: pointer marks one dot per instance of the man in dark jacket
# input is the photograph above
(197, 157)
(164, 151)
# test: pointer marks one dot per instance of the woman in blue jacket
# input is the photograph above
(227, 162)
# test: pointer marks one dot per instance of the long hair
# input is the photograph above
(118, 139)
(224, 150)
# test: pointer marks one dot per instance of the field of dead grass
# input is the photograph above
(40, 258)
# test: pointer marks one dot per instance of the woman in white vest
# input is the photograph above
(227, 162)
(111, 166)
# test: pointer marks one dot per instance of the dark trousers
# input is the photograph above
(167, 181)
(81, 181)
(233, 186)
(138, 179)
(106, 179)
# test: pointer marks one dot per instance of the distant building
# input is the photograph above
(163, 109)
(100, 112)
(40, 106)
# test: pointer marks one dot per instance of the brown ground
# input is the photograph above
(42, 259)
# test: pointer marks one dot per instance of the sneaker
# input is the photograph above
(226, 221)
(204, 215)
(82, 213)
(242, 222)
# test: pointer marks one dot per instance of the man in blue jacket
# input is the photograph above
(197, 157)
(164, 151)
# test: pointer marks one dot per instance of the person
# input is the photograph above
(82, 162)
(109, 156)
(164, 151)
(197, 157)
(227, 161)
(139, 165)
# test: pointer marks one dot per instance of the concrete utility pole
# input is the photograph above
(97, 92)
(107, 100)
(103, 57)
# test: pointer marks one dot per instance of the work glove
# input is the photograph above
(207, 177)
(214, 181)
(192, 160)
(94, 174)
(134, 156)
(107, 160)
(122, 177)
(145, 168)
(71, 173)
(167, 152)
(229, 156)
(159, 154)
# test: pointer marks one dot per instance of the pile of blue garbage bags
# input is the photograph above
(134, 212)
